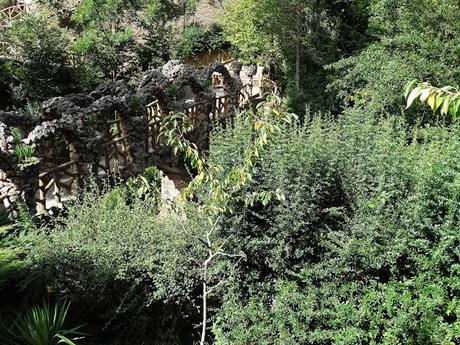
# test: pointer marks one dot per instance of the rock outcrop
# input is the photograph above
(110, 121)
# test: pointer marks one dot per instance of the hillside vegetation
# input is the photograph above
(329, 214)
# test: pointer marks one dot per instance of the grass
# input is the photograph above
(11, 251)
(24, 152)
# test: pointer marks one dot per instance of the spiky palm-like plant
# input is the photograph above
(44, 325)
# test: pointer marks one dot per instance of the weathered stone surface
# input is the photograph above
(78, 127)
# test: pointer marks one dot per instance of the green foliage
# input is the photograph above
(302, 167)
(135, 103)
(41, 45)
(105, 37)
(244, 25)
(447, 99)
(216, 189)
(14, 240)
(146, 186)
(44, 325)
(194, 39)
(90, 120)
(173, 90)
(16, 133)
(157, 37)
(131, 270)
(415, 40)
(152, 175)
(362, 250)
(12, 261)
(297, 38)
(223, 188)
(24, 153)
(32, 110)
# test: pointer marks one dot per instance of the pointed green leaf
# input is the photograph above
(408, 87)
(438, 102)
(445, 105)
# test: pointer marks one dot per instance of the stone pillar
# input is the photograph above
(133, 129)
(26, 179)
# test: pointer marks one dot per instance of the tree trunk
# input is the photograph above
(297, 66)
(205, 316)
(297, 52)
(205, 295)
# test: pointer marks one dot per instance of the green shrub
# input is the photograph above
(131, 270)
(44, 70)
(195, 39)
(364, 248)
(152, 174)
(90, 120)
(12, 262)
(135, 103)
(303, 165)
(32, 110)
(14, 240)
(145, 187)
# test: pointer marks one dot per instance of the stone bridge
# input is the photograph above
(47, 158)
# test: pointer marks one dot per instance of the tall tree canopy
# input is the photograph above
(413, 39)
(297, 37)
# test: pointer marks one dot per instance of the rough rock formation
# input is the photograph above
(79, 128)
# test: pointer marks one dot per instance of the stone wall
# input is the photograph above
(74, 135)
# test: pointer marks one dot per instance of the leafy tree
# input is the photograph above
(413, 40)
(216, 190)
(273, 29)
(39, 50)
(105, 38)
(157, 34)
(186, 8)
(297, 38)
(195, 39)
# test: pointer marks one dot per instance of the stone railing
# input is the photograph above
(56, 184)
(115, 155)
(154, 117)
(221, 107)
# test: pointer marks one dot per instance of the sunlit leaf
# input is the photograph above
(413, 96)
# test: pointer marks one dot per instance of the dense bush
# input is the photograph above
(278, 237)
(414, 39)
(196, 39)
(126, 268)
(40, 67)
(364, 248)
